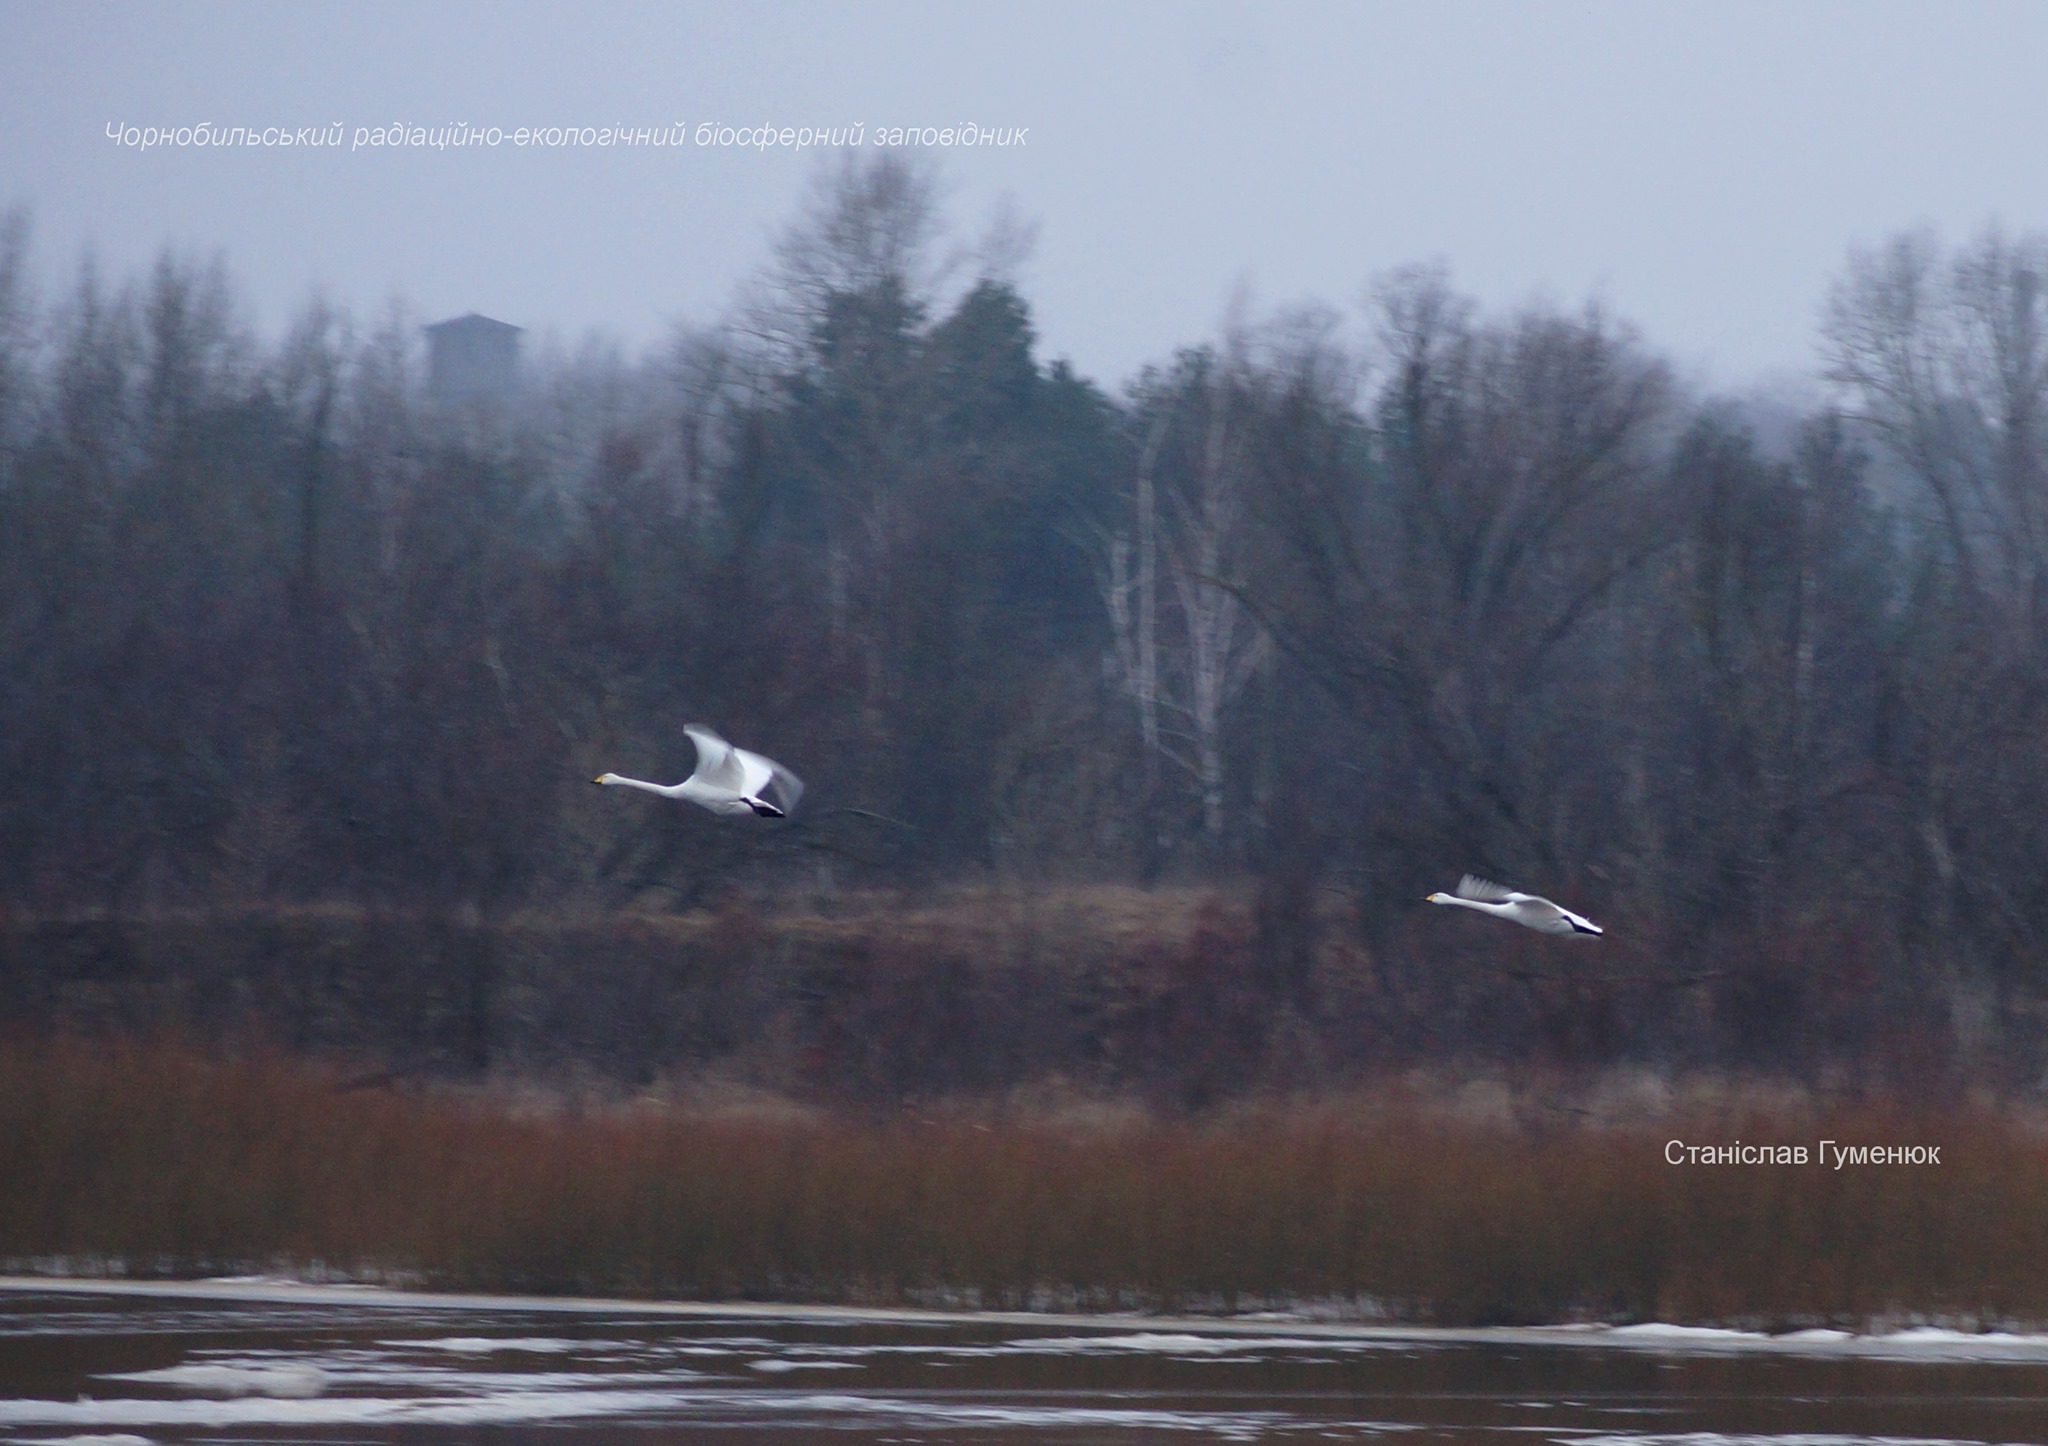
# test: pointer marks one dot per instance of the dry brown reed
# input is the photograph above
(160, 1158)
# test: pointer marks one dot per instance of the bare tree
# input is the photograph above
(1130, 591)
(20, 360)
(1184, 666)
(867, 226)
(1436, 576)
(1945, 360)
(1948, 363)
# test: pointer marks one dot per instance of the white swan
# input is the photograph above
(727, 780)
(1539, 914)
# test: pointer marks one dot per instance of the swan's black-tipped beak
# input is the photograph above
(597, 780)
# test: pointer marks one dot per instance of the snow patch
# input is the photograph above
(288, 1383)
(484, 1345)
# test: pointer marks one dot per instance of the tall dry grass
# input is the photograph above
(159, 1158)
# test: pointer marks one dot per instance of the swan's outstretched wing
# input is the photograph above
(718, 762)
(742, 773)
(755, 772)
(1474, 887)
(777, 784)
(1580, 924)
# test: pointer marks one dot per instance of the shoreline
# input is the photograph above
(1923, 1343)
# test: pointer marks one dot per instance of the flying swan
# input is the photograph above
(1538, 914)
(728, 780)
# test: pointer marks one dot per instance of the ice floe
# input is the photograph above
(292, 1382)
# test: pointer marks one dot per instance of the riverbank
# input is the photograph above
(1930, 1343)
(1396, 1204)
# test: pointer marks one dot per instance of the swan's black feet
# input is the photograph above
(765, 809)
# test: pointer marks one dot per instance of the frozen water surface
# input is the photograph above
(117, 1364)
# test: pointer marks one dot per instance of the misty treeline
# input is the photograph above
(1309, 619)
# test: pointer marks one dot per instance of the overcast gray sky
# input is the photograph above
(1701, 168)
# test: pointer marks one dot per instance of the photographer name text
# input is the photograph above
(1831, 1153)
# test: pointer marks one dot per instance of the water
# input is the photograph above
(252, 1362)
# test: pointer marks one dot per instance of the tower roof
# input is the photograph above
(473, 322)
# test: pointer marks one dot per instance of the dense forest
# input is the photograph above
(1136, 724)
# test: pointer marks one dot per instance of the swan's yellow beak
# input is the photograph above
(597, 780)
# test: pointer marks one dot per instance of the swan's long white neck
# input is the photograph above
(1480, 904)
(666, 790)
